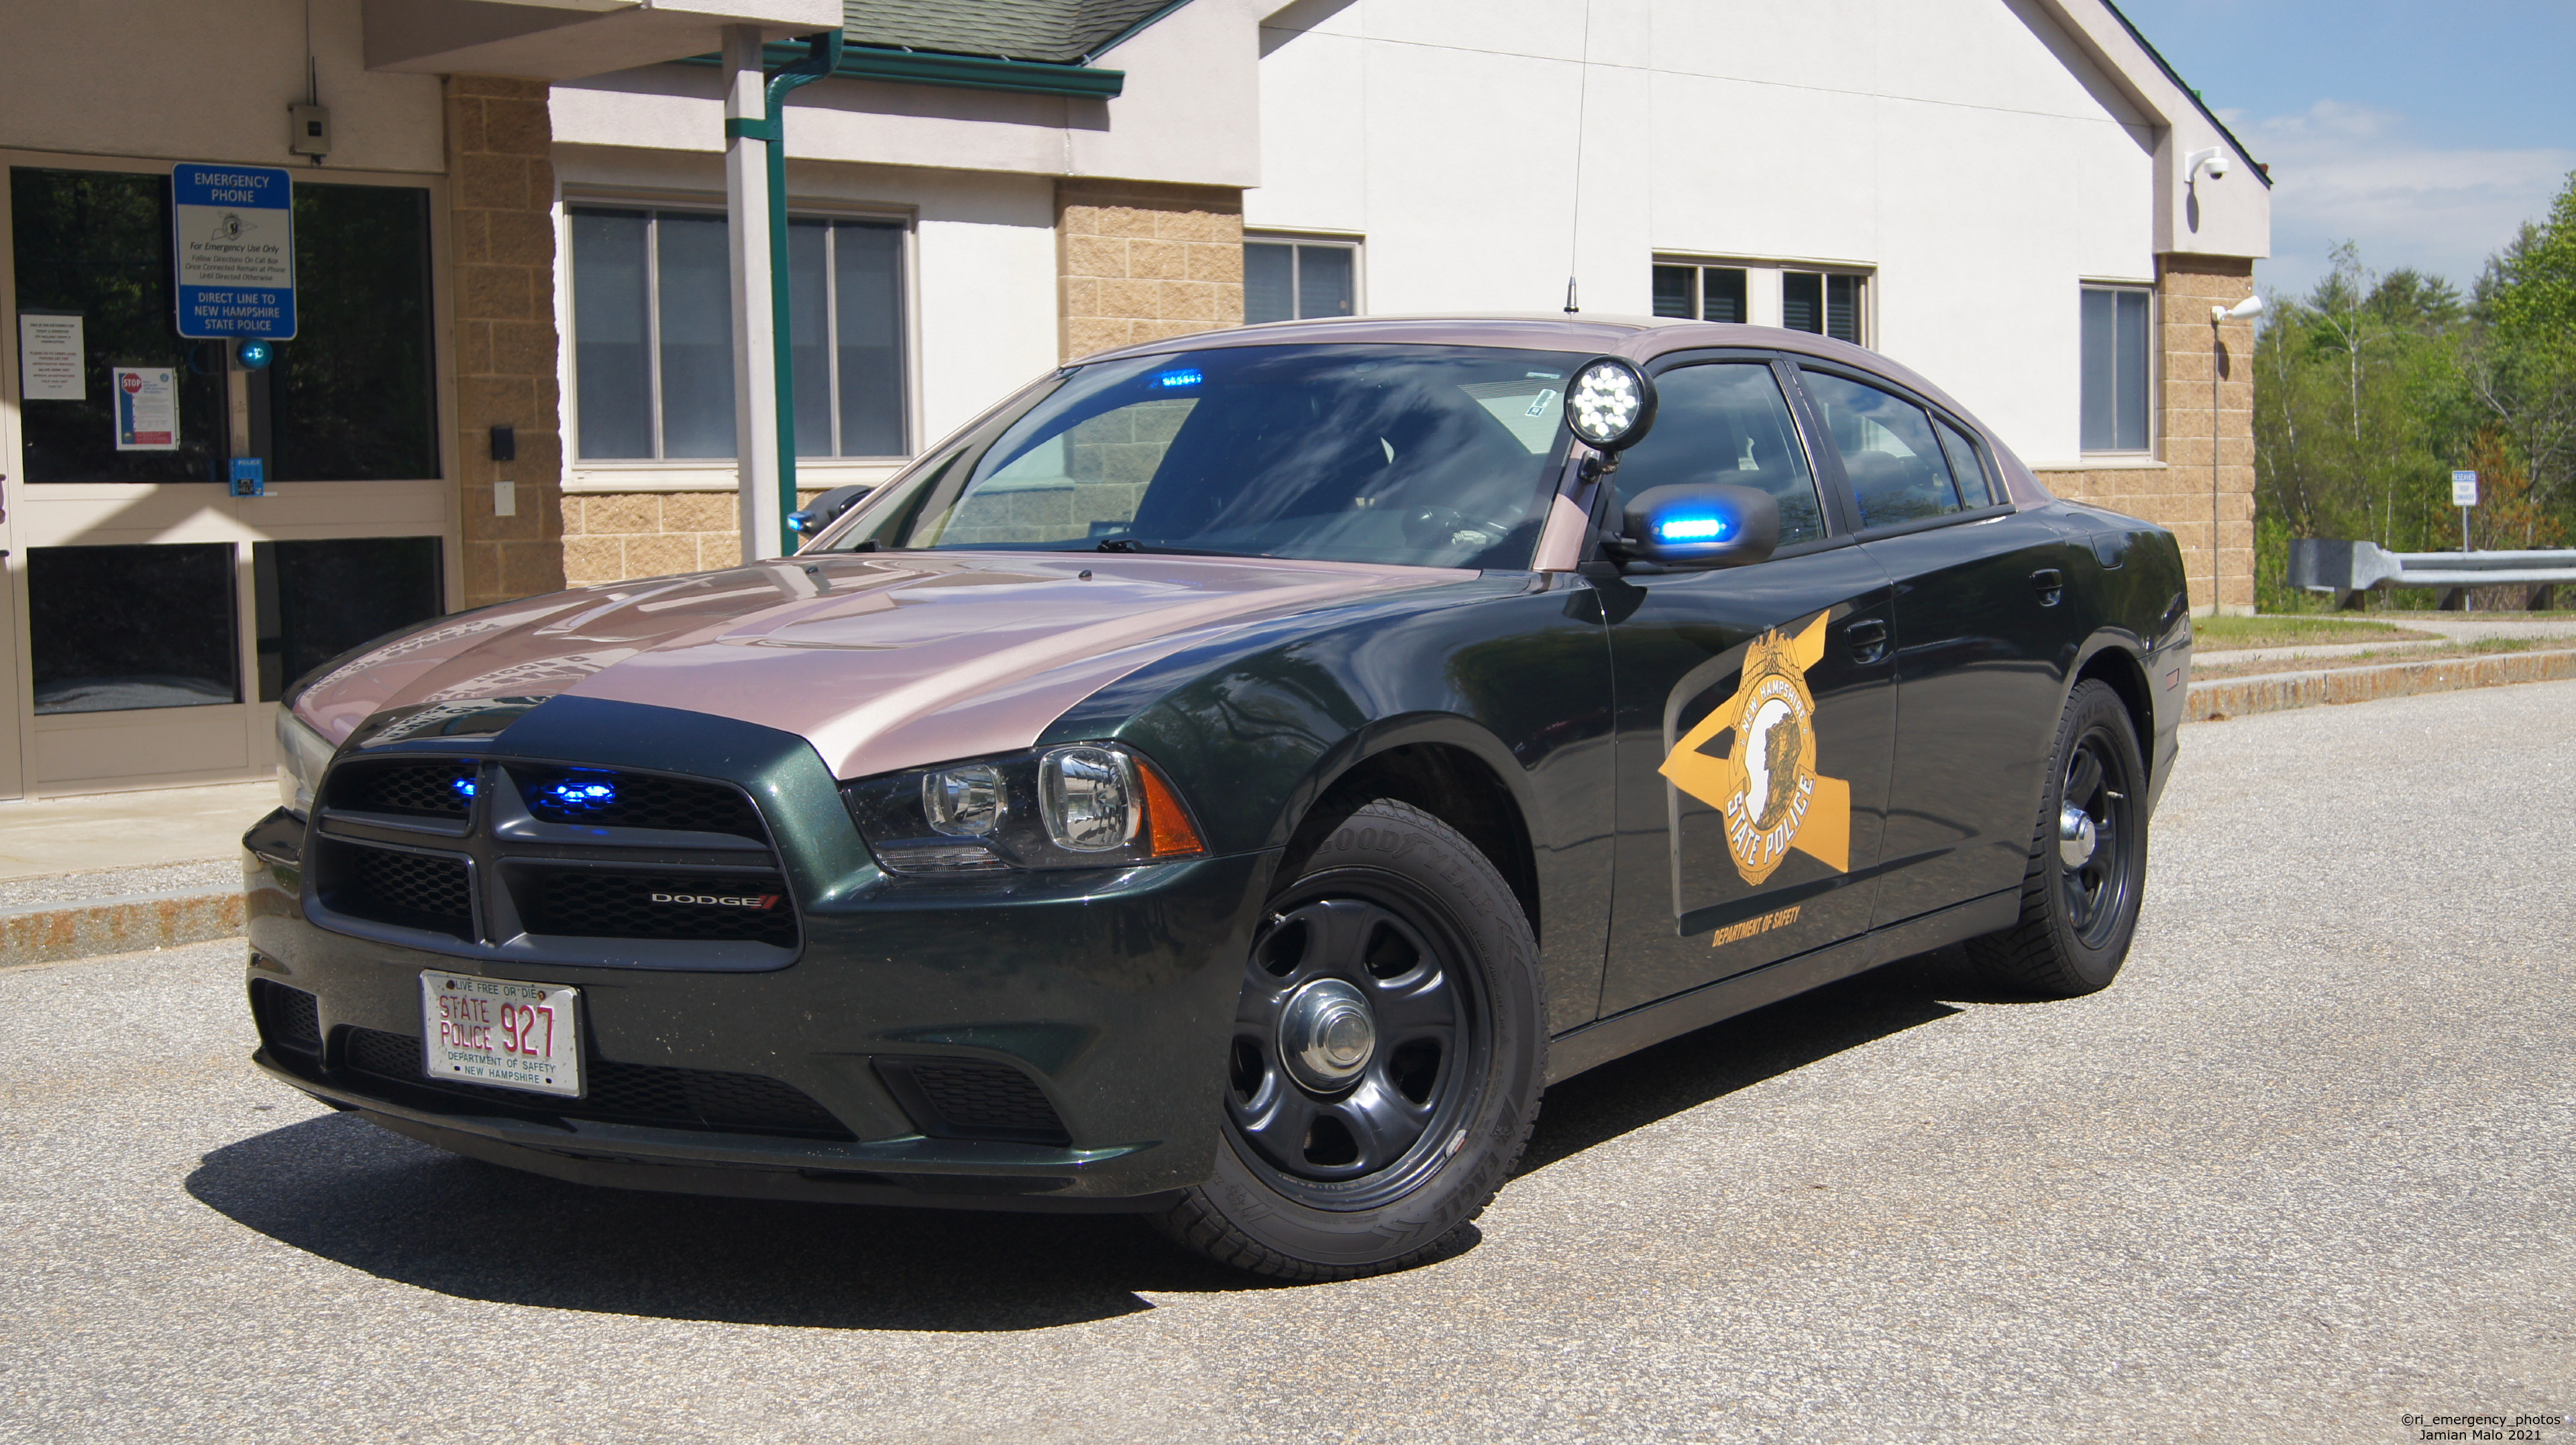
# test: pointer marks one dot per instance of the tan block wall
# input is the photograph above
(501, 187)
(1138, 262)
(612, 536)
(2177, 493)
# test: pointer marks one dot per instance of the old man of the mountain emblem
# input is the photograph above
(1766, 785)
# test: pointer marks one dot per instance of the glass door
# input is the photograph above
(156, 616)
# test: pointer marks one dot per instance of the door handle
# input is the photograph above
(2050, 584)
(1868, 639)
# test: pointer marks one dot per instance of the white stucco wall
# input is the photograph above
(1976, 154)
(188, 80)
(983, 259)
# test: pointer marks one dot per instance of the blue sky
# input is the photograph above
(2424, 132)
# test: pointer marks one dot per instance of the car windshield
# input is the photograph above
(1436, 456)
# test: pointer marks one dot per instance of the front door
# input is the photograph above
(1756, 712)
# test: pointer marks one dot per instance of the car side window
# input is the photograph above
(1976, 488)
(1726, 423)
(1888, 450)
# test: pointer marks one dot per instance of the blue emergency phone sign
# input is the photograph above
(233, 246)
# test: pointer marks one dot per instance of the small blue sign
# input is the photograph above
(249, 477)
(233, 243)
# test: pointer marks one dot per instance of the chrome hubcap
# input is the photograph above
(2076, 836)
(1327, 1033)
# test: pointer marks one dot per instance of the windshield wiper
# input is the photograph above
(1130, 544)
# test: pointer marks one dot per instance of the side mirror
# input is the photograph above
(824, 510)
(1699, 525)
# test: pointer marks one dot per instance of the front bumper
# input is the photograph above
(1113, 992)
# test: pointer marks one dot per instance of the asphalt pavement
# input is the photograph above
(2304, 1171)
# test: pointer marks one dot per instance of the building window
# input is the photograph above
(1700, 293)
(1292, 280)
(352, 397)
(2116, 385)
(653, 336)
(1827, 303)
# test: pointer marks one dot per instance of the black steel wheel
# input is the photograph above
(1385, 1060)
(2088, 863)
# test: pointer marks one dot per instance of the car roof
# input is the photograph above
(1638, 338)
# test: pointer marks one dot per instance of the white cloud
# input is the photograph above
(2349, 172)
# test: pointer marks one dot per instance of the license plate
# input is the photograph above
(509, 1035)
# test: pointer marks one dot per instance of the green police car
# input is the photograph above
(1228, 782)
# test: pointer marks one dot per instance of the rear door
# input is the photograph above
(1983, 638)
(1755, 710)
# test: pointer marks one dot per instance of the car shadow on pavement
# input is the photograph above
(1680, 1074)
(343, 1189)
(340, 1188)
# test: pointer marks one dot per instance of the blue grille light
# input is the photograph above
(1692, 529)
(1180, 378)
(581, 797)
(464, 787)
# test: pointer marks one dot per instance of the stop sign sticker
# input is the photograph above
(147, 409)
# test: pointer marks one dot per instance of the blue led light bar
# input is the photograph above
(1692, 529)
(1183, 377)
(578, 797)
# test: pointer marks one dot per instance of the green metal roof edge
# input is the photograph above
(963, 72)
(2184, 86)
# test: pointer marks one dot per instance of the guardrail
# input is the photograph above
(2348, 569)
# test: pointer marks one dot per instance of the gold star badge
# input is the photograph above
(1767, 786)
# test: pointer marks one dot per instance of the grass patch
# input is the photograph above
(2375, 658)
(2228, 634)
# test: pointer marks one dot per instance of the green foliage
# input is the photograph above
(2372, 388)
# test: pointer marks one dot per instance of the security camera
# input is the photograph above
(2209, 156)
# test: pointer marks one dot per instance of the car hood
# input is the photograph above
(881, 660)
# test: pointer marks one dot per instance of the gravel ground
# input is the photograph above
(113, 885)
(2304, 1170)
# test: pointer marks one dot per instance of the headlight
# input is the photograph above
(963, 802)
(302, 754)
(1086, 806)
(1089, 799)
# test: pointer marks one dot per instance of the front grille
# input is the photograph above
(605, 799)
(582, 903)
(411, 890)
(653, 1095)
(973, 1099)
(443, 788)
(288, 1017)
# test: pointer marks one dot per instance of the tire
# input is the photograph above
(1330, 1168)
(2078, 915)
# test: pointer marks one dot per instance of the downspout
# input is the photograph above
(822, 55)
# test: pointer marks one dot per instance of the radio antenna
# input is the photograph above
(1582, 114)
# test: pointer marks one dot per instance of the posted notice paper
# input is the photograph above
(49, 359)
(147, 408)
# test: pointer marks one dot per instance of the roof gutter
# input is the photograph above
(963, 72)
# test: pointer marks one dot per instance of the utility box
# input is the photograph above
(308, 130)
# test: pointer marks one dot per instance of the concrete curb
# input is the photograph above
(50, 933)
(2279, 691)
